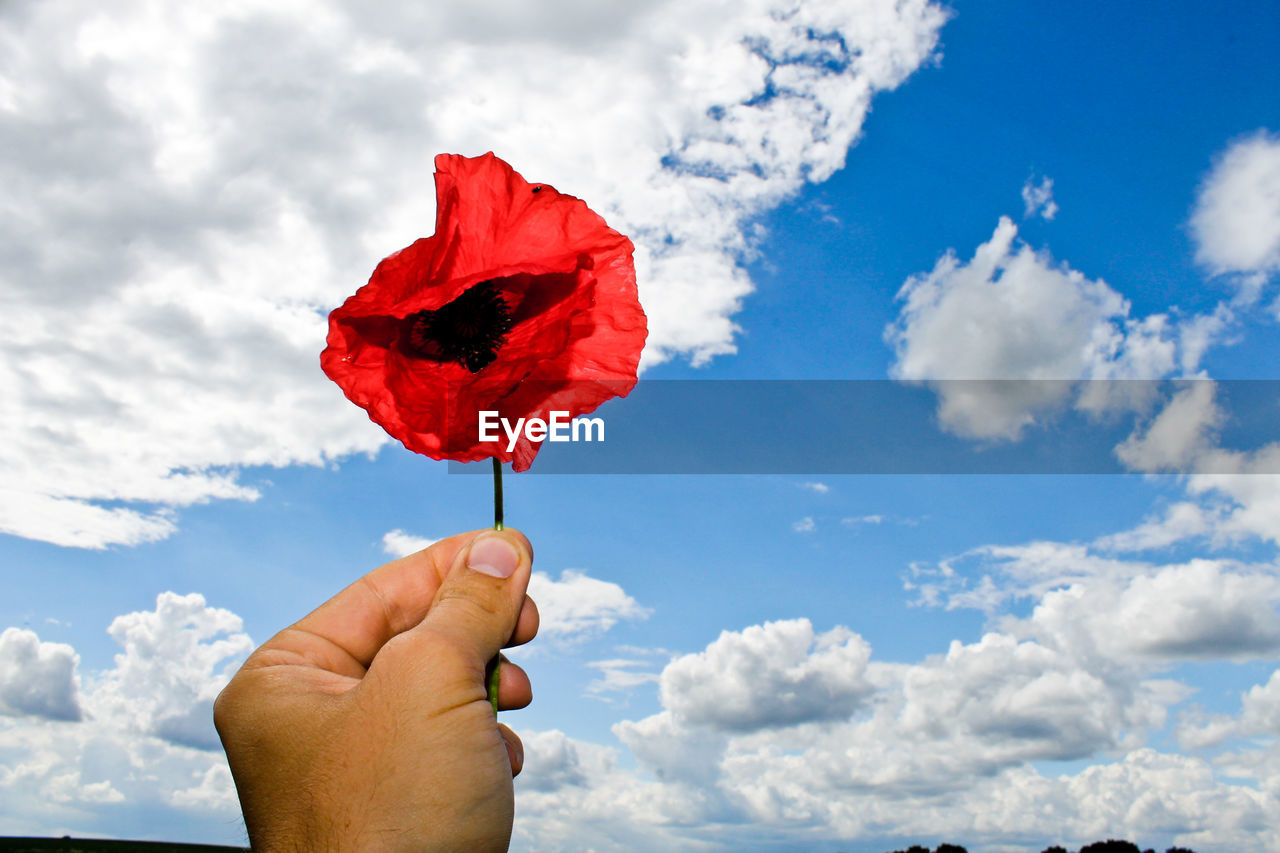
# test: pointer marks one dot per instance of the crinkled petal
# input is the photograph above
(567, 279)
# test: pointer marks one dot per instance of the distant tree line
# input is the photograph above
(1108, 846)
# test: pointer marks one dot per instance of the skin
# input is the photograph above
(365, 725)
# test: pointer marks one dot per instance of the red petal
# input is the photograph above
(568, 278)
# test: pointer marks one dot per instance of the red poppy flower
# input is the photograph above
(523, 302)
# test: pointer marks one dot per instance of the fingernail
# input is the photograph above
(494, 556)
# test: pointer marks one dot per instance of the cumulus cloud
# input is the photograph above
(38, 678)
(93, 773)
(213, 791)
(904, 749)
(553, 761)
(939, 746)
(1236, 221)
(175, 660)
(1112, 610)
(782, 793)
(779, 673)
(804, 525)
(1022, 699)
(139, 734)
(577, 606)
(674, 751)
(1010, 313)
(574, 795)
(201, 185)
(1259, 715)
(1201, 610)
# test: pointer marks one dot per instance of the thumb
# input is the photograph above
(476, 608)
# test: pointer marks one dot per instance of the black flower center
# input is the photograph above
(469, 330)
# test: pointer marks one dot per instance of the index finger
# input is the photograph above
(343, 634)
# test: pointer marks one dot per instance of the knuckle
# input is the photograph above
(226, 708)
(467, 604)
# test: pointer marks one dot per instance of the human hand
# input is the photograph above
(365, 726)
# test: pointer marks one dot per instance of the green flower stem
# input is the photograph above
(497, 494)
(491, 681)
(491, 672)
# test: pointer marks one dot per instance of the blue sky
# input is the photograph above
(835, 189)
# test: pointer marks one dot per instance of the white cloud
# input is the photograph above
(397, 543)
(937, 747)
(77, 524)
(144, 744)
(1196, 334)
(1111, 611)
(1006, 573)
(782, 793)
(673, 751)
(214, 791)
(552, 761)
(1038, 199)
(1260, 707)
(1246, 487)
(776, 674)
(573, 796)
(1181, 520)
(804, 525)
(201, 185)
(1259, 715)
(576, 606)
(1237, 491)
(820, 488)
(38, 678)
(1182, 431)
(1201, 610)
(175, 661)
(1011, 314)
(1236, 221)
(771, 733)
(94, 778)
(619, 675)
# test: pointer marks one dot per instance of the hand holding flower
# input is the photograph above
(365, 726)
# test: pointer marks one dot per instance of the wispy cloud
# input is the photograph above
(620, 675)
(1037, 199)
